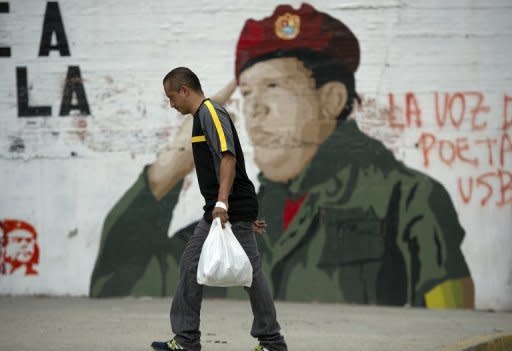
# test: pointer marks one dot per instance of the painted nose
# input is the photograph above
(255, 108)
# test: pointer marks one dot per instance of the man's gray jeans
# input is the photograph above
(186, 303)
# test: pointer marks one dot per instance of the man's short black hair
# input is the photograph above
(182, 76)
(324, 68)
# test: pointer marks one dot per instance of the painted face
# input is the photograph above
(20, 246)
(282, 113)
(2, 247)
(177, 99)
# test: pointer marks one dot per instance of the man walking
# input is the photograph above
(229, 195)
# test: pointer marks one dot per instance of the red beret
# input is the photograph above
(305, 28)
(12, 224)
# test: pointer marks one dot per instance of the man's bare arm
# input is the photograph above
(227, 173)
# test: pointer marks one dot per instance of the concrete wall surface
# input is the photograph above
(429, 215)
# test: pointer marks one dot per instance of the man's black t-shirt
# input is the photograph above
(213, 133)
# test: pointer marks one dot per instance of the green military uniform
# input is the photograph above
(367, 230)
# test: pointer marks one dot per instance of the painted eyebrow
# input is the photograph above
(270, 79)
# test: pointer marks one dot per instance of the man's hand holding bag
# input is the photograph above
(223, 261)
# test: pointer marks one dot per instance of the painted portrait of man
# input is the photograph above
(2, 249)
(20, 247)
(346, 221)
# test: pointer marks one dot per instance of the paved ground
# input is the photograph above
(52, 324)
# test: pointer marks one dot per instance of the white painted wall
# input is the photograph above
(124, 48)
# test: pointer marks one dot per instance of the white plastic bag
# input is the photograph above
(223, 261)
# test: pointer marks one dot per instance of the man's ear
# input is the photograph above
(333, 97)
(184, 90)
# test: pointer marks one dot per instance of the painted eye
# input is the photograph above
(272, 85)
(245, 92)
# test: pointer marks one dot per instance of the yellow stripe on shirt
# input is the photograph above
(216, 122)
(198, 139)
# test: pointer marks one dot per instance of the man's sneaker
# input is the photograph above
(260, 348)
(167, 345)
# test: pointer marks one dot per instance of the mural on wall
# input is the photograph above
(19, 249)
(347, 222)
